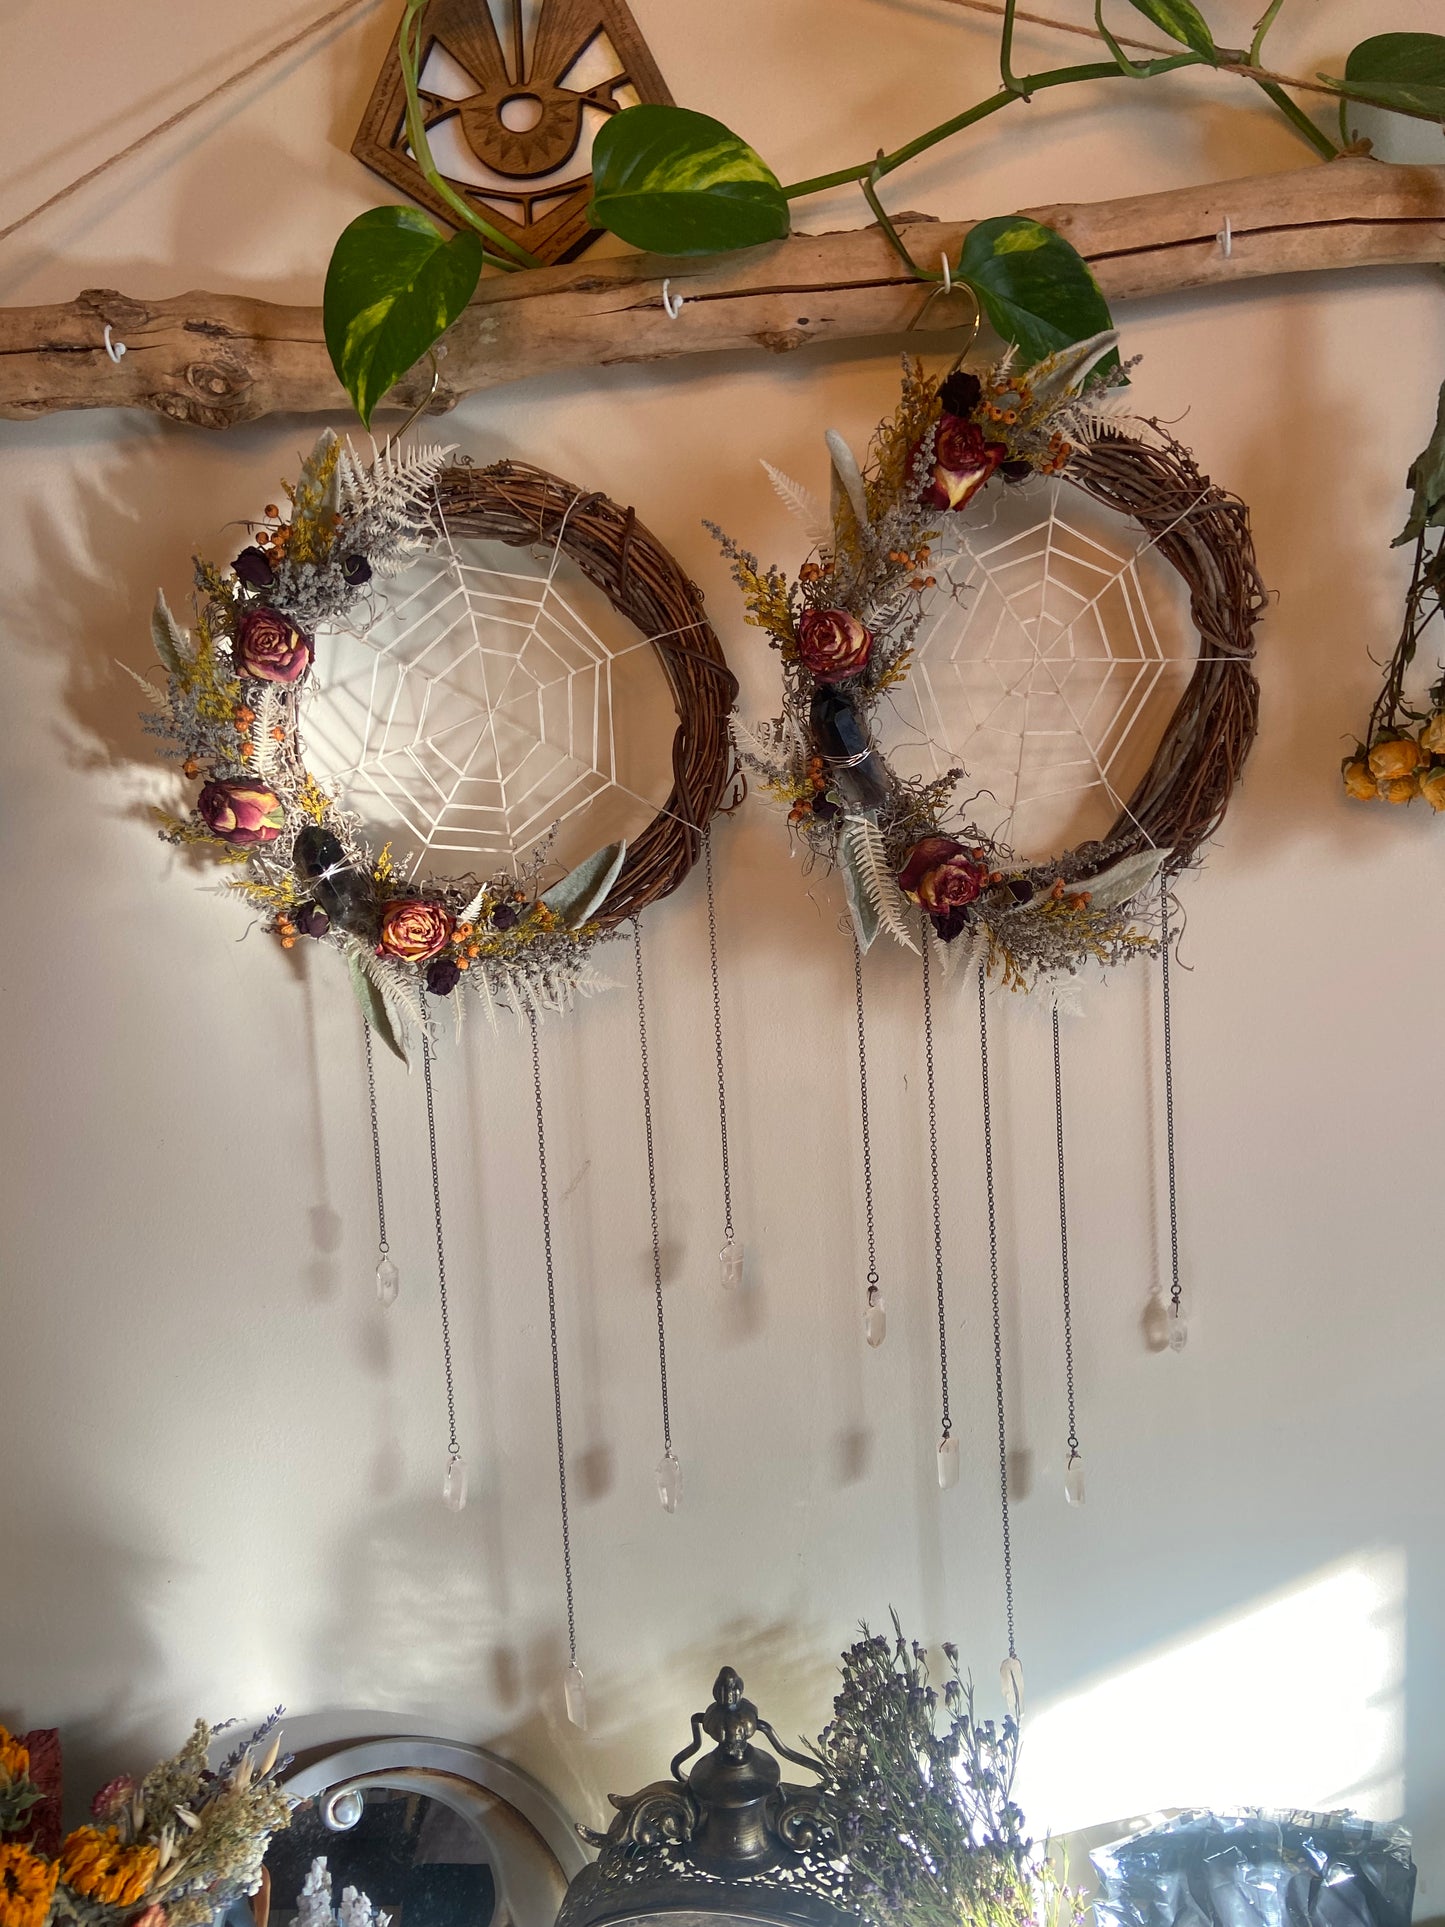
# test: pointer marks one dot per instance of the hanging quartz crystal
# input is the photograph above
(730, 1263)
(387, 1280)
(875, 1317)
(575, 1689)
(1074, 1480)
(947, 1461)
(1011, 1678)
(1178, 1327)
(454, 1485)
(1156, 1322)
(669, 1481)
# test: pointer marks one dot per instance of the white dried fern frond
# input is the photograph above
(387, 503)
(267, 750)
(803, 503)
(867, 860)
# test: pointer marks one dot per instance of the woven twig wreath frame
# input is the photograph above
(234, 709)
(1204, 533)
(522, 506)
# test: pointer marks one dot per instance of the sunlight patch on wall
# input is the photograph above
(1295, 1702)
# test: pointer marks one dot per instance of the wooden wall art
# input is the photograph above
(526, 122)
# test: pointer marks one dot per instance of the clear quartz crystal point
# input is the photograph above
(1074, 1480)
(947, 1461)
(1178, 1328)
(388, 1278)
(669, 1481)
(454, 1485)
(730, 1264)
(1156, 1322)
(875, 1318)
(1011, 1678)
(575, 1689)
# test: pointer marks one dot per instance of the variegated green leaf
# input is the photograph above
(677, 182)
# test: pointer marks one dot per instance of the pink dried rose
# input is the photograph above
(943, 877)
(963, 460)
(833, 644)
(415, 928)
(241, 813)
(270, 648)
(112, 1797)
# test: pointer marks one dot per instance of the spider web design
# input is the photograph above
(481, 709)
(1047, 664)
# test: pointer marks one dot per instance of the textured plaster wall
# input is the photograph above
(220, 1462)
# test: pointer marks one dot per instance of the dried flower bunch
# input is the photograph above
(1403, 754)
(170, 1850)
(230, 714)
(922, 1793)
(912, 863)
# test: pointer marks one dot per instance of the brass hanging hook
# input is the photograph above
(946, 286)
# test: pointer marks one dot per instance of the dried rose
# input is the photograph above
(962, 462)
(442, 976)
(1393, 756)
(832, 644)
(241, 813)
(415, 928)
(943, 877)
(312, 921)
(1400, 789)
(960, 393)
(112, 1797)
(270, 648)
(253, 567)
(1432, 786)
(505, 916)
(1432, 736)
(1358, 780)
(355, 570)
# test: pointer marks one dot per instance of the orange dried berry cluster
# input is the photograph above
(286, 931)
(466, 948)
(817, 783)
(918, 561)
(1399, 766)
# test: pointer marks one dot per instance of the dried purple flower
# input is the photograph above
(442, 976)
(253, 567)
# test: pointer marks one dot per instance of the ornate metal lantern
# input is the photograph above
(728, 1836)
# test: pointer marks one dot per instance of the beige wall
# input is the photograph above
(220, 1461)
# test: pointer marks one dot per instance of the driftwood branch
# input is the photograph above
(219, 359)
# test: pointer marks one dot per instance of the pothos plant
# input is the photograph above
(676, 181)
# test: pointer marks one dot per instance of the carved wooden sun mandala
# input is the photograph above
(513, 93)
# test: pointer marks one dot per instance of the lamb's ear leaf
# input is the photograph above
(583, 891)
(373, 1006)
(168, 636)
(1124, 880)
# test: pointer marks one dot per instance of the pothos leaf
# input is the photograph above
(1402, 71)
(1426, 482)
(1035, 288)
(373, 1006)
(394, 285)
(677, 182)
(1182, 21)
(582, 892)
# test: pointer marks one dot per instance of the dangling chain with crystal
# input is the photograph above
(386, 1273)
(1074, 1466)
(730, 1258)
(454, 1485)
(669, 1472)
(947, 1443)
(1177, 1325)
(575, 1688)
(1010, 1672)
(875, 1314)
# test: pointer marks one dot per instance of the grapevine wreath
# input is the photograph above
(844, 630)
(236, 692)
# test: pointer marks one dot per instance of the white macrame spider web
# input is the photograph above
(481, 709)
(1046, 666)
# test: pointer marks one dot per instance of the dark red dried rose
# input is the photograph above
(269, 647)
(253, 567)
(442, 976)
(963, 460)
(943, 877)
(241, 813)
(833, 644)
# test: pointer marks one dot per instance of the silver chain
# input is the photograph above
(552, 1328)
(382, 1246)
(454, 1450)
(1064, 1240)
(937, 1206)
(1174, 1288)
(863, 1106)
(1008, 1567)
(717, 1038)
(652, 1190)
